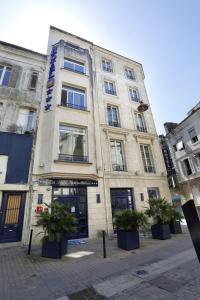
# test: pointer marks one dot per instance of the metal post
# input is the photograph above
(104, 243)
(30, 242)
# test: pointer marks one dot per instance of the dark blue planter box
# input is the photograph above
(175, 227)
(53, 249)
(128, 240)
(160, 231)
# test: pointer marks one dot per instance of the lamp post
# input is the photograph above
(142, 107)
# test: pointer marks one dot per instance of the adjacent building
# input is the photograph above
(183, 140)
(94, 150)
(21, 85)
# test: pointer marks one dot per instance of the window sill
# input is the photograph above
(72, 162)
(76, 109)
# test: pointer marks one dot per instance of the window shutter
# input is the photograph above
(14, 77)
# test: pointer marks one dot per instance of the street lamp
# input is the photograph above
(142, 107)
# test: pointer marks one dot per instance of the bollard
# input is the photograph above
(30, 242)
(104, 243)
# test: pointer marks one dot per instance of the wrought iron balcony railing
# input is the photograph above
(120, 168)
(73, 158)
(141, 128)
(114, 123)
(111, 92)
(149, 169)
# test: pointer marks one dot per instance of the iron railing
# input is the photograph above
(73, 158)
(120, 168)
(114, 123)
(141, 128)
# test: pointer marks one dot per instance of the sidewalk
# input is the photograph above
(122, 275)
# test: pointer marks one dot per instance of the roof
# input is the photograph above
(21, 48)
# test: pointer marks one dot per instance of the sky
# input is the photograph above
(163, 35)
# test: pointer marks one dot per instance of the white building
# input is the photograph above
(184, 142)
(94, 150)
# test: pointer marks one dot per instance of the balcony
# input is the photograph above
(119, 168)
(141, 129)
(114, 123)
(73, 158)
(71, 105)
(149, 169)
(110, 92)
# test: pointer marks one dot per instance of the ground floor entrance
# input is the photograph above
(12, 216)
(76, 199)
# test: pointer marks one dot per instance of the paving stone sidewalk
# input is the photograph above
(24, 277)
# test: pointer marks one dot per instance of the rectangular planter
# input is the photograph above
(53, 249)
(160, 231)
(175, 227)
(128, 240)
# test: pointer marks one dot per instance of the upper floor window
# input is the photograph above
(134, 95)
(109, 87)
(179, 145)
(129, 74)
(33, 80)
(187, 170)
(74, 98)
(193, 135)
(113, 116)
(147, 158)
(73, 143)
(5, 75)
(153, 193)
(107, 65)
(26, 120)
(74, 66)
(117, 156)
(140, 122)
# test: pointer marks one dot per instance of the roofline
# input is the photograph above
(22, 48)
(87, 41)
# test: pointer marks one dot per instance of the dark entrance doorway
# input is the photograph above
(12, 216)
(121, 199)
(76, 200)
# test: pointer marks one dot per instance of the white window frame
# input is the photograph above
(74, 62)
(117, 110)
(77, 91)
(114, 87)
(124, 167)
(147, 168)
(29, 85)
(137, 99)
(107, 61)
(129, 70)
(190, 135)
(138, 126)
(24, 127)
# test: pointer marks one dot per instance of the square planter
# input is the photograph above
(160, 231)
(53, 249)
(128, 240)
(175, 227)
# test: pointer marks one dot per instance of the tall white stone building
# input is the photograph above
(183, 141)
(94, 150)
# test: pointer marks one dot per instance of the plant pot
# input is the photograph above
(160, 231)
(175, 227)
(54, 249)
(128, 240)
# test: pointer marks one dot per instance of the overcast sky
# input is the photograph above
(161, 34)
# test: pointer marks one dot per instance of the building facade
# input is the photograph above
(94, 150)
(183, 141)
(21, 86)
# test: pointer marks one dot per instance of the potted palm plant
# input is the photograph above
(127, 223)
(175, 221)
(57, 223)
(160, 210)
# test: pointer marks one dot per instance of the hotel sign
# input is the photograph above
(67, 182)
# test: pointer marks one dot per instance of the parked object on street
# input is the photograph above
(160, 210)
(175, 223)
(128, 222)
(57, 223)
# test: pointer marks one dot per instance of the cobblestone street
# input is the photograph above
(159, 269)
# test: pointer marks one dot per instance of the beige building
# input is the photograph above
(94, 150)
(21, 86)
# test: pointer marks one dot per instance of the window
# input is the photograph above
(26, 120)
(193, 135)
(73, 144)
(109, 87)
(113, 116)
(74, 66)
(33, 80)
(180, 145)
(129, 74)
(5, 75)
(153, 193)
(107, 65)
(186, 167)
(1, 109)
(117, 156)
(134, 95)
(74, 98)
(140, 123)
(147, 158)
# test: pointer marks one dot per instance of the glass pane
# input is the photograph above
(1, 71)
(69, 65)
(30, 123)
(78, 149)
(70, 97)
(6, 77)
(79, 68)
